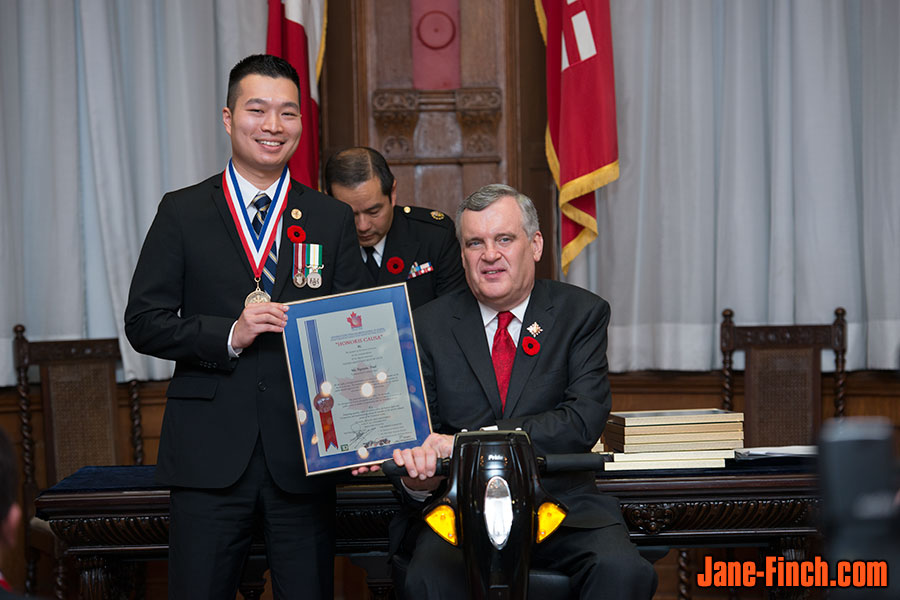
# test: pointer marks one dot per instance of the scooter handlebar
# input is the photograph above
(586, 461)
(392, 470)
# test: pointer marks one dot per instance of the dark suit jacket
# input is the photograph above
(420, 235)
(560, 395)
(188, 289)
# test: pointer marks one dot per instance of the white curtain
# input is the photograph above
(759, 142)
(759, 145)
(105, 105)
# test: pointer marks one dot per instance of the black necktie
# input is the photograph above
(370, 262)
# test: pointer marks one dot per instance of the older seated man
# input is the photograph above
(512, 352)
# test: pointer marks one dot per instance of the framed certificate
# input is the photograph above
(355, 377)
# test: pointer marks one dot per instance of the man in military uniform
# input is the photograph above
(397, 244)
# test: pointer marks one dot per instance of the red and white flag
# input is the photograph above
(581, 142)
(296, 33)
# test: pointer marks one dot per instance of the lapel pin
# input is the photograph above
(530, 345)
(395, 265)
(296, 234)
(296, 214)
(534, 329)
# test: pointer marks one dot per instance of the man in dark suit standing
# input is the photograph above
(218, 262)
(397, 243)
(511, 352)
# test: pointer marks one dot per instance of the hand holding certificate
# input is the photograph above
(355, 377)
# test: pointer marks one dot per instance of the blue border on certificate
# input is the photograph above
(395, 295)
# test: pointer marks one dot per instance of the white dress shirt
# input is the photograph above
(489, 318)
(378, 254)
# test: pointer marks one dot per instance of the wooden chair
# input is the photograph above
(783, 377)
(79, 413)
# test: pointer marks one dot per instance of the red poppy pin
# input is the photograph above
(395, 265)
(296, 234)
(530, 345)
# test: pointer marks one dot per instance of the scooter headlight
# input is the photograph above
(498, 513)
(550, 516)
(443, 521)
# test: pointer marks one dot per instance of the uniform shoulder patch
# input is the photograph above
(427, 215)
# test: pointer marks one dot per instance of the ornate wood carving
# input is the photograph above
(96, 580)
(396, 115)
(839, 340)
(478, 112)
(655, 518)
(354, 523)
(137, 430)
(115, 531)
(726, 343)
(29, 486)
(832, 337)
(436, 29)
(684, 575)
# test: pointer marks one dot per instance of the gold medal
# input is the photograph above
(257, 296)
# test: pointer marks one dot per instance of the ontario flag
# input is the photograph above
(296, 33)
(581, 142)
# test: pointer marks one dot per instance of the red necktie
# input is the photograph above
(503, 352)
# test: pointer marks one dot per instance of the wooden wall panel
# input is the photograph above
(482, 28)
(439, 187)
(391, 37)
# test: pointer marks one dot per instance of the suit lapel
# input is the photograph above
(399, 244)
(285, 267)
(469, 333)
(540, 311)
(218, 198)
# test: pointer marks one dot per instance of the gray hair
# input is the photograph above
(489, 194)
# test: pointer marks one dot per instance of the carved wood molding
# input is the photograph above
(115, 531)
(655, 518)
(784, 335)
(478, 111)
(396, 114)
(651, 518)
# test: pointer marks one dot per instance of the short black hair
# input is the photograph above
(353, 166)
(9, 474)
(259, 64)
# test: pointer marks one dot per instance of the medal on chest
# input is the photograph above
(308, 265)
(256, 245)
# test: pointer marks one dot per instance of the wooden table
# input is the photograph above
(110, 517)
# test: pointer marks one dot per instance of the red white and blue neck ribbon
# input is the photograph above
(255, 246)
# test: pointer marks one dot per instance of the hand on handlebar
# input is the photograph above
(421, 461)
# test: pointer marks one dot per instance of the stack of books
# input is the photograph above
(672, 439)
